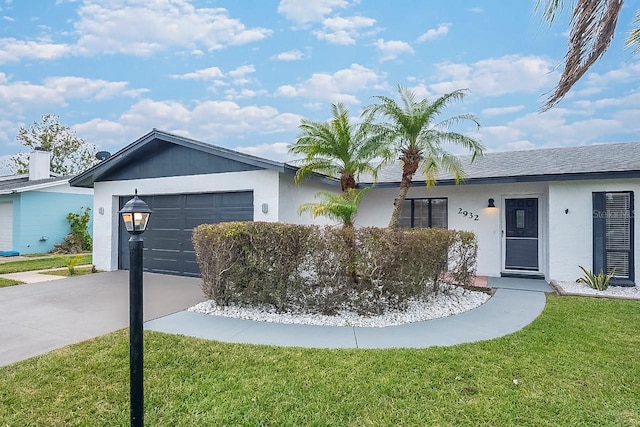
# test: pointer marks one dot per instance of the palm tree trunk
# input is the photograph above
(399, 203)
(408, 170)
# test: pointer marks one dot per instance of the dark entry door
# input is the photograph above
(521, 251)
(167, 242)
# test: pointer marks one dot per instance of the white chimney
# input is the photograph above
(39, 167)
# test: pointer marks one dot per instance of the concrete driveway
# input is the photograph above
(36, 318)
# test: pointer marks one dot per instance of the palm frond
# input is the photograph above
(593, 25)
(338, 147)
(342, 207)
(634, 34)
(550, 9)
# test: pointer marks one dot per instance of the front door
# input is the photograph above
(521, 238)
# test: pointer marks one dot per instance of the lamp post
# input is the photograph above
(135, 215)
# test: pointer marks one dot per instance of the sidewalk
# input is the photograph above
(35, 276)
(515, 304)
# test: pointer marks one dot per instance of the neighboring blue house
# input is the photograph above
(33, 207)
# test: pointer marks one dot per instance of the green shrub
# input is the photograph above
(598, 281)
(79, 224)
(326, 269)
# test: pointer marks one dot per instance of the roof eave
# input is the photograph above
(518, 178)
(90, 176)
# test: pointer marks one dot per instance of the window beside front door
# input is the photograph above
(613, 235)
(421, 213)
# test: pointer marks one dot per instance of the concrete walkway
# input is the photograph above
(37, 276)
(39, 317)
(515, 304)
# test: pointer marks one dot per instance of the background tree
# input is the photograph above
(592, 27)
(70, 155)
(338, 148)
(410, 128)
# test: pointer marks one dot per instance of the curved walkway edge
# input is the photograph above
(507, 311)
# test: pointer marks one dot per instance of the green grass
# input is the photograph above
(79, 271)
(576, 365)
(53, 261)
(8, 282)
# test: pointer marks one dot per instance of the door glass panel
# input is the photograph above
(520, 218)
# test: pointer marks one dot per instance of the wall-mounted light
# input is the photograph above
(566, 211)
(491, 203)
(265, 208)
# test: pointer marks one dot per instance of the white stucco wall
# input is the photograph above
(377, 206)
(263, 183)
(571, 234)
(293, 195)
(67, 189)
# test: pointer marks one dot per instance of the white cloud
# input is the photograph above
(434, 33)
(13, 50)
(496, 76)
(303, 11)
(595, 83)
(244, 93)
(242, 71)
(99, 127)
(290, 55)
(210, 73)
(141, 27)
(343, 30)
(421, 91)
(497, 111)
(19, 96)
(209, 121)
(392, 48)
(339, 86)
(278, 151)
(83, 88)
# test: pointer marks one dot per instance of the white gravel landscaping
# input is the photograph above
(453, 300)
(611, 291)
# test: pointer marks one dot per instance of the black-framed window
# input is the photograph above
(421, 213)
(613, 229)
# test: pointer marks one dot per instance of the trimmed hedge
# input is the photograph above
(303, 268)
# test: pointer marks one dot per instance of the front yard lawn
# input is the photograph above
(8, 282)
(79, 271)
(577, 364)
(53, 261)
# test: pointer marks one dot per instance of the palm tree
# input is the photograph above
(338, 148)
(418, 140)
(343, 206)
(593, 24)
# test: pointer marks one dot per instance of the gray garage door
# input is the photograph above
(167, 241)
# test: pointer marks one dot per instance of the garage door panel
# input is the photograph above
(236, 199)
(199, 200)
(167, 241)
(166, 244)
(170, 201)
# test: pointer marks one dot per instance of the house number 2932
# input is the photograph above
(467, 214)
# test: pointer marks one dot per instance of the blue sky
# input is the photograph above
(241, 74)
